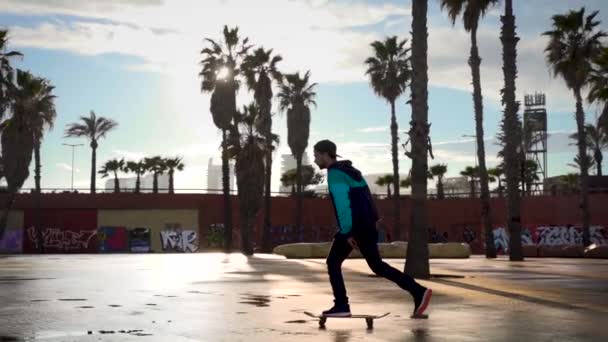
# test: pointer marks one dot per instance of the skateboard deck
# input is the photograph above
(369, 319)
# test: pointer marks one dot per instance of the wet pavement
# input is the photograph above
(218, 297)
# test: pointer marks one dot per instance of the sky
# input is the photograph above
(137, 62)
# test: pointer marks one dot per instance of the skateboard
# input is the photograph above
(369, 319)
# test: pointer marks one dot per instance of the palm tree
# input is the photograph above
(389, 74)
(158, 167)
(6, 72)
(496, 174)
(597, 140)
(405, 183)
(417, 260)
(296, 96)
(35, 102)
(570, 182)
(573, 43)
(172, 165)
(439, 171)
(472, 173)
(472, 11)
(386, 180)
(260, 70)
(139, 168)
(221, 70)
(113, 166)
(249, 152)
(93, 128)
(289, 179)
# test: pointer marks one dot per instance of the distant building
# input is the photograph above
(214, 177)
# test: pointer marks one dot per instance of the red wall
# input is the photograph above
(448, 215)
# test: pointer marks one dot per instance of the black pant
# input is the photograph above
(368, 246)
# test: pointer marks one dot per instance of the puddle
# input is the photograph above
(85, 307)
(257, 300)
(38, 300)
(151, 304)
(115, 306)
(72, 299)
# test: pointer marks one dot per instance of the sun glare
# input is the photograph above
(223, 73)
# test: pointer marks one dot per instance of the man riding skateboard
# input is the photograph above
(357, 220)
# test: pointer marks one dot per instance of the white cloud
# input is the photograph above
(129, 155)
(373, 129)
(66, 167)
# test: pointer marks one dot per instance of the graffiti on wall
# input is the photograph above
(552, 235)
(113, 239)
(177, 240)
(569, 235)
(139, 240)
(215, 235)
(64, 240)
(12, 241)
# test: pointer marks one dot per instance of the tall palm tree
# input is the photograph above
(573, 43)
(139, 168)
(93, 128)
(113, 166)
(296, 95)
(221, 73)
(439, 171)
(34, 101)
(386, 180)
(6, 72)
(417, 260)
(158, 167)
(472, 173)
(260, 70)
(249, 154)
(172, 165)
(471, 12)
(598, 81)
(389, 75)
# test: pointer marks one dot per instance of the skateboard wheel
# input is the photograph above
(370, 323)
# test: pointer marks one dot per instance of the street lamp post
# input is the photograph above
(475, 143)
(72, 146)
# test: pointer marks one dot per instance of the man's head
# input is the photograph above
(325, 153)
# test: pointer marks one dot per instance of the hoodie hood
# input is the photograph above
(346, 166)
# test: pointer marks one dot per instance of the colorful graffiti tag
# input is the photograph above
(55, 240)
(113, 239)
(12, 241)
(177, 240)
(550, 235)
(139, 240)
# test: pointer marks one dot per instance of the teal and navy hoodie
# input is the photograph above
(352, 201)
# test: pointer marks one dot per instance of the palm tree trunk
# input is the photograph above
(394, 141)
(155, 183)
(37, 176)
(7, 209)
(598, 160)
(116, 183)
(582, 152)
(512, 129)
(171, 190)
(227, 200)
(440, 192)
(474, 62)
(388, 190)
(299, 191)
(246, 246)
(472, 186)
(137, 184)
(266, 248)
(93, 164)
(417, 261)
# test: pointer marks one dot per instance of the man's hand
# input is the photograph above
(351, 241)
